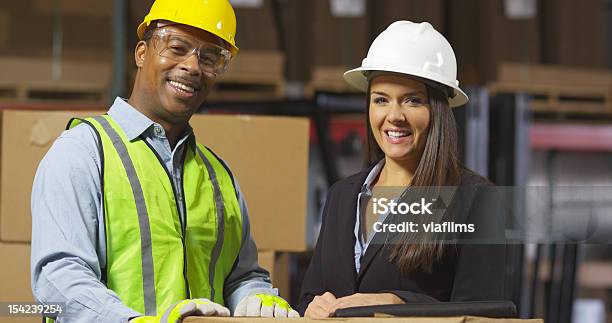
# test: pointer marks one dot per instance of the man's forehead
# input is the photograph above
(197, 33)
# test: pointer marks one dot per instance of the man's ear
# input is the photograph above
(140, 52)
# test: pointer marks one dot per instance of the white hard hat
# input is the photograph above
(415, 49)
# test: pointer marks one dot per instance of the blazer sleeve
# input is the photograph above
(479, 276)
(412, 297)
(313, 280)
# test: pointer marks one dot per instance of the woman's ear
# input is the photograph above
(139, 53)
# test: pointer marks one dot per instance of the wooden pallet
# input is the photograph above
(328, 79)
(40, 79)
(252, 76)
(63, 92)
(558, 89)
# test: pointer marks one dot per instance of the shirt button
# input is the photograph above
(157, 130)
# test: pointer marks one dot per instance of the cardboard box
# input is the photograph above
(329, 79)
(15, 279)
(26, 137)
(268, 156)
(43, 79)
(15, 273)
(277, 264)
(39, 72)
(252, 76)
(462, 319)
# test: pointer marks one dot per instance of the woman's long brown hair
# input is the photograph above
(438, 166)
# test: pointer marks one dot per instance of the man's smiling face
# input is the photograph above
(174, 89)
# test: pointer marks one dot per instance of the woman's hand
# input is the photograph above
(360, 299)
(321, 306)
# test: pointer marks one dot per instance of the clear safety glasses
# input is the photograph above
(213, 59)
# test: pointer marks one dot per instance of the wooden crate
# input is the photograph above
(252, 76)
(31, 92)
(328, 79)
(558, 89)
(41, 79)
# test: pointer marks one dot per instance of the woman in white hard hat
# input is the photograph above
(409, 75)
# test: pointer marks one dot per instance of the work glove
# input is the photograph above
(264, 305)
(189, 307)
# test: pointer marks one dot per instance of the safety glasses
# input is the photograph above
(213, 59)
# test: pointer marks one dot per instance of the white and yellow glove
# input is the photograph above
(264, 305)
(189, 307)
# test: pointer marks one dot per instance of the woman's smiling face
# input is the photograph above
(399, 116)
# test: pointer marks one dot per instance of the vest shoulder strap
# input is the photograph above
(222, 162)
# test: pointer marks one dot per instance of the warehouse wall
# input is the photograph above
(28, 28)
(565, 32)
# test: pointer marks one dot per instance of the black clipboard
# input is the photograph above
(490, 309)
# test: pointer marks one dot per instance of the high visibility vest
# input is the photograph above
(153, 258)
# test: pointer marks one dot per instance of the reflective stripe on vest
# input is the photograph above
(154, 260)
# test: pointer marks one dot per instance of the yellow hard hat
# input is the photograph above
(214, 16)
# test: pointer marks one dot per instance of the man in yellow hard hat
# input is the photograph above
(132, 219)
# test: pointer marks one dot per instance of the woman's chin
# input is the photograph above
(399, 154)
(403, 157)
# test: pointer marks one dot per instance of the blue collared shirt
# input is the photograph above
(68, 238)
(361, 242)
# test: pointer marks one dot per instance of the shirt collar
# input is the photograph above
(367, 184)
(132, 122)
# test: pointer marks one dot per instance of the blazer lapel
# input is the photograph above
(346, 229)
(346, 226)
(375, 244)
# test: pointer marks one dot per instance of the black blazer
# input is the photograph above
(469, 273)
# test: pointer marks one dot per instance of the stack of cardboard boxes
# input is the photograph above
(25, 137)
(269, 157)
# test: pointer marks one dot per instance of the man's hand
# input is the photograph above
(321, 306)
(365, 300)
(189, 307)
(264, 305)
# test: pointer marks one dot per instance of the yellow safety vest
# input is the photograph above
(154, 260)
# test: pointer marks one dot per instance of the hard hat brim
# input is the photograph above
(143, 26)
(357, 78)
